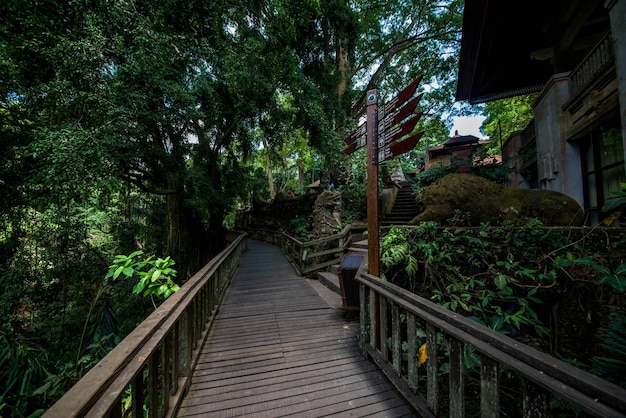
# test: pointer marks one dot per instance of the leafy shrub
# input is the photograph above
(354, 196)
(489, 169)
(434, 173)
(464, 271)
(22, 369)
(510, 278)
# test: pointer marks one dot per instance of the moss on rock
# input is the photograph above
(486, 201)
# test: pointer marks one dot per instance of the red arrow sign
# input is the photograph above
(395, 111)
(360, 131)
(359, 143)
(399, 115)
(399, 148)
(401, 130)
(402, 97)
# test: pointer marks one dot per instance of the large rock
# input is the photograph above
(486, 201)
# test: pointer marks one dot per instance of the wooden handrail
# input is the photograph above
(155, 361)
(300, 255)
(541, 373)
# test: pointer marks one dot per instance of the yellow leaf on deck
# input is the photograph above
(422, 354)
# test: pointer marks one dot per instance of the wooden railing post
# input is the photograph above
(137, 394)
(457, 381)
(412, 363)
(153, 385)
(364, 313)
(396, 336)
(374, 334)
(384, 335)
(489, 386)
(534, 400)
(432, 369)
(166, 361)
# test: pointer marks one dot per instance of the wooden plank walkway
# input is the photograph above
(278, 348)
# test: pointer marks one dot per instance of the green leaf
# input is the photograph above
(500, 281)
(589, 262)
(118, 271)
(135, 254)
(139, 287)
(613, 203)
(496, 322)
(617, 281)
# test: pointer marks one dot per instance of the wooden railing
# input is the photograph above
(599, 59)
(149, 372)
(385, 305)
(311, 256)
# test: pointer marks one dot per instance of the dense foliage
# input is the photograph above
(534, 283)
(139, 126)
(506, 116)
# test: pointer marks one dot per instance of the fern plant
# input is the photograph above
(614, 368)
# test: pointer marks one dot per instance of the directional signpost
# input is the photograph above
(384, 133)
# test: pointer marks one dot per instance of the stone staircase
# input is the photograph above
(403, 209)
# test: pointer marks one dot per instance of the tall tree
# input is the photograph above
(503, 117)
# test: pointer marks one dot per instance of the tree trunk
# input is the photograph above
(270, 177)
(300, 178)
(172, 248)
(343, 70)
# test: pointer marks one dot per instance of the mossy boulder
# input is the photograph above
(486, 201)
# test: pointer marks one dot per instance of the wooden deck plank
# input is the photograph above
(278, 349)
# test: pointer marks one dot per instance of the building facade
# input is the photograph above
(577, 67)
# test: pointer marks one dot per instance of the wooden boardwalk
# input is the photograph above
(279, 348)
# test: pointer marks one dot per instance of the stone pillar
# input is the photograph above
(558, 160)
(617, 13)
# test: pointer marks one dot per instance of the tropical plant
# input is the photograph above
(612, 366)
(460, 271)
(22, 369)
(612, 206)
(435, 172)
(155, 276)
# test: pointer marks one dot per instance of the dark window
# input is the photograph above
(603, 168)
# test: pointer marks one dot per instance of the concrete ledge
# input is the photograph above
(329, 280)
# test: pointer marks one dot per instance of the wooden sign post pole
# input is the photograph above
(373, 248)
(397, 120)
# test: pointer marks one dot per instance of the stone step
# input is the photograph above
(403, 209)
(330, 280)
(400, 222)
(401, 214)
(360, 244)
